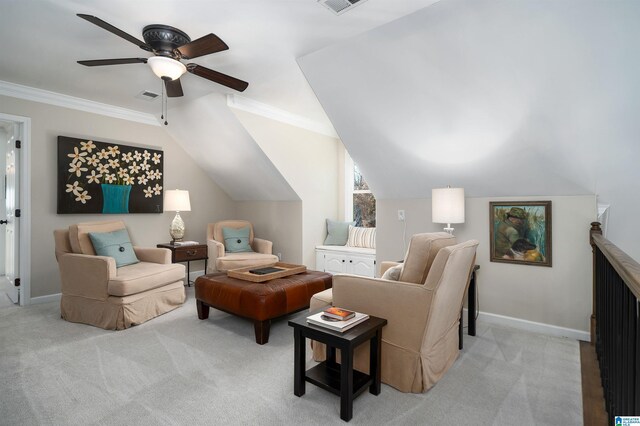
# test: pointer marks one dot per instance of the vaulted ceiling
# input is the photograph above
(501, 97)
(45, 38)
(265, 37)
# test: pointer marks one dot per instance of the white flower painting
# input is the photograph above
(98, 177)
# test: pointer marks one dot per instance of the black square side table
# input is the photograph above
(340, 379)
(187, 253)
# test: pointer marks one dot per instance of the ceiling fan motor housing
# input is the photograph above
(164, 39)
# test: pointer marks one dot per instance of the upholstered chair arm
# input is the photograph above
(215, 249)
(386, 265)
(153, 255)
(404, 305)
(262, 246)
(86, 276)
(320, 300)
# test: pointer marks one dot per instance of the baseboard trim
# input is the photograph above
(532, 326)
(46, 299)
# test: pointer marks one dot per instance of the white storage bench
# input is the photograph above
(347, 260)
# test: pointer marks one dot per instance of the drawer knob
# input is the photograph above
(191, 252)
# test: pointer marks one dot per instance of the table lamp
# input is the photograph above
(447, 206)
(177, 201)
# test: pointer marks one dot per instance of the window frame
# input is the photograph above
(349, 192)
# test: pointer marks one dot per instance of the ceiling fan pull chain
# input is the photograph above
(162, 103)
(166, 110)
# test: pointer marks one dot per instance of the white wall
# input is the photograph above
(279, 222)
(207, 128)
(558, 296)
(342, 213)
(309, 163)
(208, 202)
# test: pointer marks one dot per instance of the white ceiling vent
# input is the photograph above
(340, 6)
(146, 95)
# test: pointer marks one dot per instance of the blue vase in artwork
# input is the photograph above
(115, 198)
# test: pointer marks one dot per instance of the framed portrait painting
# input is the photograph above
(521, 232)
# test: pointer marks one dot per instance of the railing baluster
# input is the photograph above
(616, 325)
(631, 359)
(637, 360)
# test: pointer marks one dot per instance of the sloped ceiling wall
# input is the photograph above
(208, 130)
(503, 98)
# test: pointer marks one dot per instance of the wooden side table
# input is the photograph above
(340, 379)
(187, 254)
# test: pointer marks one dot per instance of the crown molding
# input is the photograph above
(58, 99)
(268, 111)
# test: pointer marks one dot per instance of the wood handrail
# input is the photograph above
(625, 266)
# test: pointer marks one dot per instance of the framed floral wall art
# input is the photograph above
(97, 177)
(521, 232)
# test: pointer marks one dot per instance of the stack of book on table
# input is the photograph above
(337, 319)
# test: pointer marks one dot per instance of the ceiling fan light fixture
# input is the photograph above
(163, 66)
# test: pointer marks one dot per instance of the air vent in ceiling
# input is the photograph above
(147, 95)
(340, 6)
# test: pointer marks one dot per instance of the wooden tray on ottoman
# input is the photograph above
(288, 269)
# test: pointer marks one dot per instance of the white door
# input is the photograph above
(12, 229)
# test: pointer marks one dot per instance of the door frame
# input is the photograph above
(24, 267)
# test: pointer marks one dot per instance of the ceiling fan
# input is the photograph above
(169, 46)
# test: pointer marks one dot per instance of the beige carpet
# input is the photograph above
(178, 370)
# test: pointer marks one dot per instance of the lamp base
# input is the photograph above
(176, 229)
(448, 229)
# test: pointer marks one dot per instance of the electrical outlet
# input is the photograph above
(279, 256)
(401, 215)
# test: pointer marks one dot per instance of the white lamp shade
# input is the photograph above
(447, 205)
(166, 67)
(176, 200)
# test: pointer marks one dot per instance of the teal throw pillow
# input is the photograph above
(236, 240)
(116, 244)
(337, 233)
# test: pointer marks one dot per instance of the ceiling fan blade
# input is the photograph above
(99, 22)
(99, 62)
(174, 88)
(217, 77)
(206, 45)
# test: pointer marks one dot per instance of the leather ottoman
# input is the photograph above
(260, 302)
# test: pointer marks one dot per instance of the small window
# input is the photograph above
(364, 203)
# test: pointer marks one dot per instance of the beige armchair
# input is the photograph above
(420, 341)
(415, 267)
(95, 292)
(219, 261)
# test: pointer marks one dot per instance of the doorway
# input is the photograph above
(14, 224)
